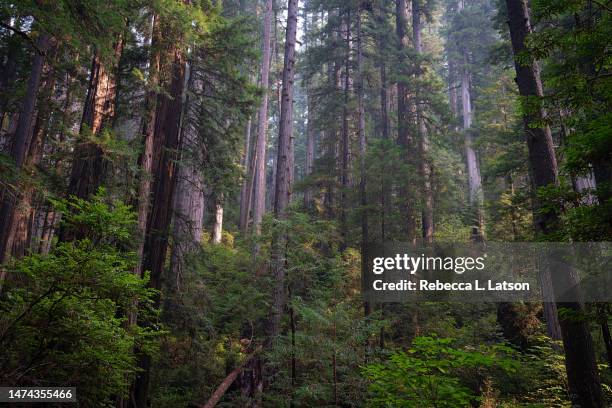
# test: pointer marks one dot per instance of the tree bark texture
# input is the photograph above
(22, 140)
(284, 172)
(583, 379)
(423, 139)
(259, 196)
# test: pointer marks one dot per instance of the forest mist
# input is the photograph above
(189, 191)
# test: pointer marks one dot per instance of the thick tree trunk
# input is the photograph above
(602, 318)
(259, 195)
(284, 172)
(22, 140)
(583, 380)
(165, 145)
(89, 165)
(25, 209)
(475, 193)
(423, 138)
(189, 191)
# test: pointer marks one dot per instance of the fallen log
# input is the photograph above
(225, 384)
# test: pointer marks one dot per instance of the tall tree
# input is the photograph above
(475, 192)
(363, 199)
(583, 380)
(345, 141)
(423, 137)
(246, 192)
(89, 164)
(188, 208)
(145, 160)
(165, 145)
(404, 114)
(310, 125)
(22, 140)
(284, 172)
(259, 195)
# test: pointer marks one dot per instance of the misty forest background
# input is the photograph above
(188, 189)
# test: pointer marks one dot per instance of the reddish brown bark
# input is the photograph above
(89, 165)
(583, 379)
(22, 141)
(165, 145)
(148, 130)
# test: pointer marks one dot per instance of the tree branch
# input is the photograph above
(25, 36)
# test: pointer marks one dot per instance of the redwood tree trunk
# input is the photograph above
(474, 180)
(189, 196)
(583, 380)
(165, 145)
(148, 130)
(89, 165)
(284, 161)
(22, 140)
(423, 138)
(259, 194)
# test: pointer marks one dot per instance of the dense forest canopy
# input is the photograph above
(189, 190)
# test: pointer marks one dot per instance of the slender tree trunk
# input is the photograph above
(284, 160)
(475, 195)
(259, 196)
(346, 141)
(246, 192)
(423, 138)
(310, 131)
(403, 123)
(310, 154)
(217, 229)
(384, 101)
(363, 198)
(148, 129)
(403, 109)
(583, 380)
(452, 86)
(385, 108)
